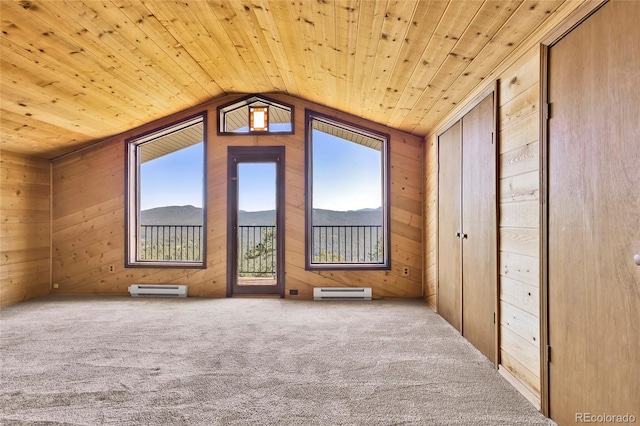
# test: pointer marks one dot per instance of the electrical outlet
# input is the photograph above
(293, 292)
(56, 285)
(112, 268)
(405, 271)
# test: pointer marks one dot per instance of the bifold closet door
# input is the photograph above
(449, 228)
(594, 218)
(479, 228)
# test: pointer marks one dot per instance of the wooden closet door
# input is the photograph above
(479, 227)
(594, 216)
(449, 249)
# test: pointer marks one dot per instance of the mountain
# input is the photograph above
(172, 215)
(267, 217)
(352, 217)
(190, 215)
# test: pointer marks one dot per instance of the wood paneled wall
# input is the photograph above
(88, 216)
(518, 101)
(24, 228)
(430, 214)
(519, 203)
(519, 192)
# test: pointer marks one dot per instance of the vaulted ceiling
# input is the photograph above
(74, 72)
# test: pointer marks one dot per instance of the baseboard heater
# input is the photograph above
(342, 293)
(158, 290)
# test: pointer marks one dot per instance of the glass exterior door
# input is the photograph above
(255, 220)
(257, 230)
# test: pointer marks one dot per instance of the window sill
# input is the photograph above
(319, 267)
(174, 264)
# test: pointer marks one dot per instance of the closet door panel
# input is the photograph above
(479, 227)
(449, 248)
(594, 217)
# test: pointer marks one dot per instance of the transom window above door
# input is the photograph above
(255, 115)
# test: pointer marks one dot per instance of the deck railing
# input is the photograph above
(347, 244)
(256, 251)
(171, 242)
(257, 245)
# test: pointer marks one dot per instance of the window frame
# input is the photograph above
(386, 193)
(246, 101)
(132, 194)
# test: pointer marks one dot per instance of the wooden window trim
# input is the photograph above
(386, 198)
(132, 199)
(265, 99)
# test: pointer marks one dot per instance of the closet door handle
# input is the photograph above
(457, 235)
(464, 236)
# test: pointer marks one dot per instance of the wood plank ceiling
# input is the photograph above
(73, 72)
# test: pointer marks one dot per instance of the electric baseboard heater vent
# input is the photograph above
(342, 293)
(158, 290)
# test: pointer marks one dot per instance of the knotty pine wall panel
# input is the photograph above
(431, 221)
(519, 242)
(24, 228)
(89, 203)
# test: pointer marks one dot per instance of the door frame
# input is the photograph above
(254, 154)
(569, 24)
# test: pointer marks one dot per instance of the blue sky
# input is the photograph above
(256, 186)
(173, 180)
(346, 177)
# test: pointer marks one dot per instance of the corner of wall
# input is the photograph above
(25, 207)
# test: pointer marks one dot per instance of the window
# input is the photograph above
(165, 214)
(255, 115)
(347, 188)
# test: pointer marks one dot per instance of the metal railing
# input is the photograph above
(348, 244)
(257, 251)
(257, 245)
(171, 242)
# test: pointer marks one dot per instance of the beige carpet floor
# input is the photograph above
(123, 361)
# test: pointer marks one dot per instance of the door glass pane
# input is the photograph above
(257, 242)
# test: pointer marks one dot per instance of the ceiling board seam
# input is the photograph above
(415, 69)
(191, 45)
(160, 76)
(56, 64)
(211, 59)
(371, 74)
(152, 40)
(406, 88)
(118, 40)
(351, 87)
(484, 48)
(193, 59)
(275, 47)
(212, 12)
(519, 52)
(397, 57)
(437, 73)
(297, 45)
(246, 21)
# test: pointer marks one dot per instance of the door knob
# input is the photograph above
(464, 236)
(636, 259)
(458, 234)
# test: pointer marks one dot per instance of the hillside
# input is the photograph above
(172, 215)
(190, 215)
(351, 217)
